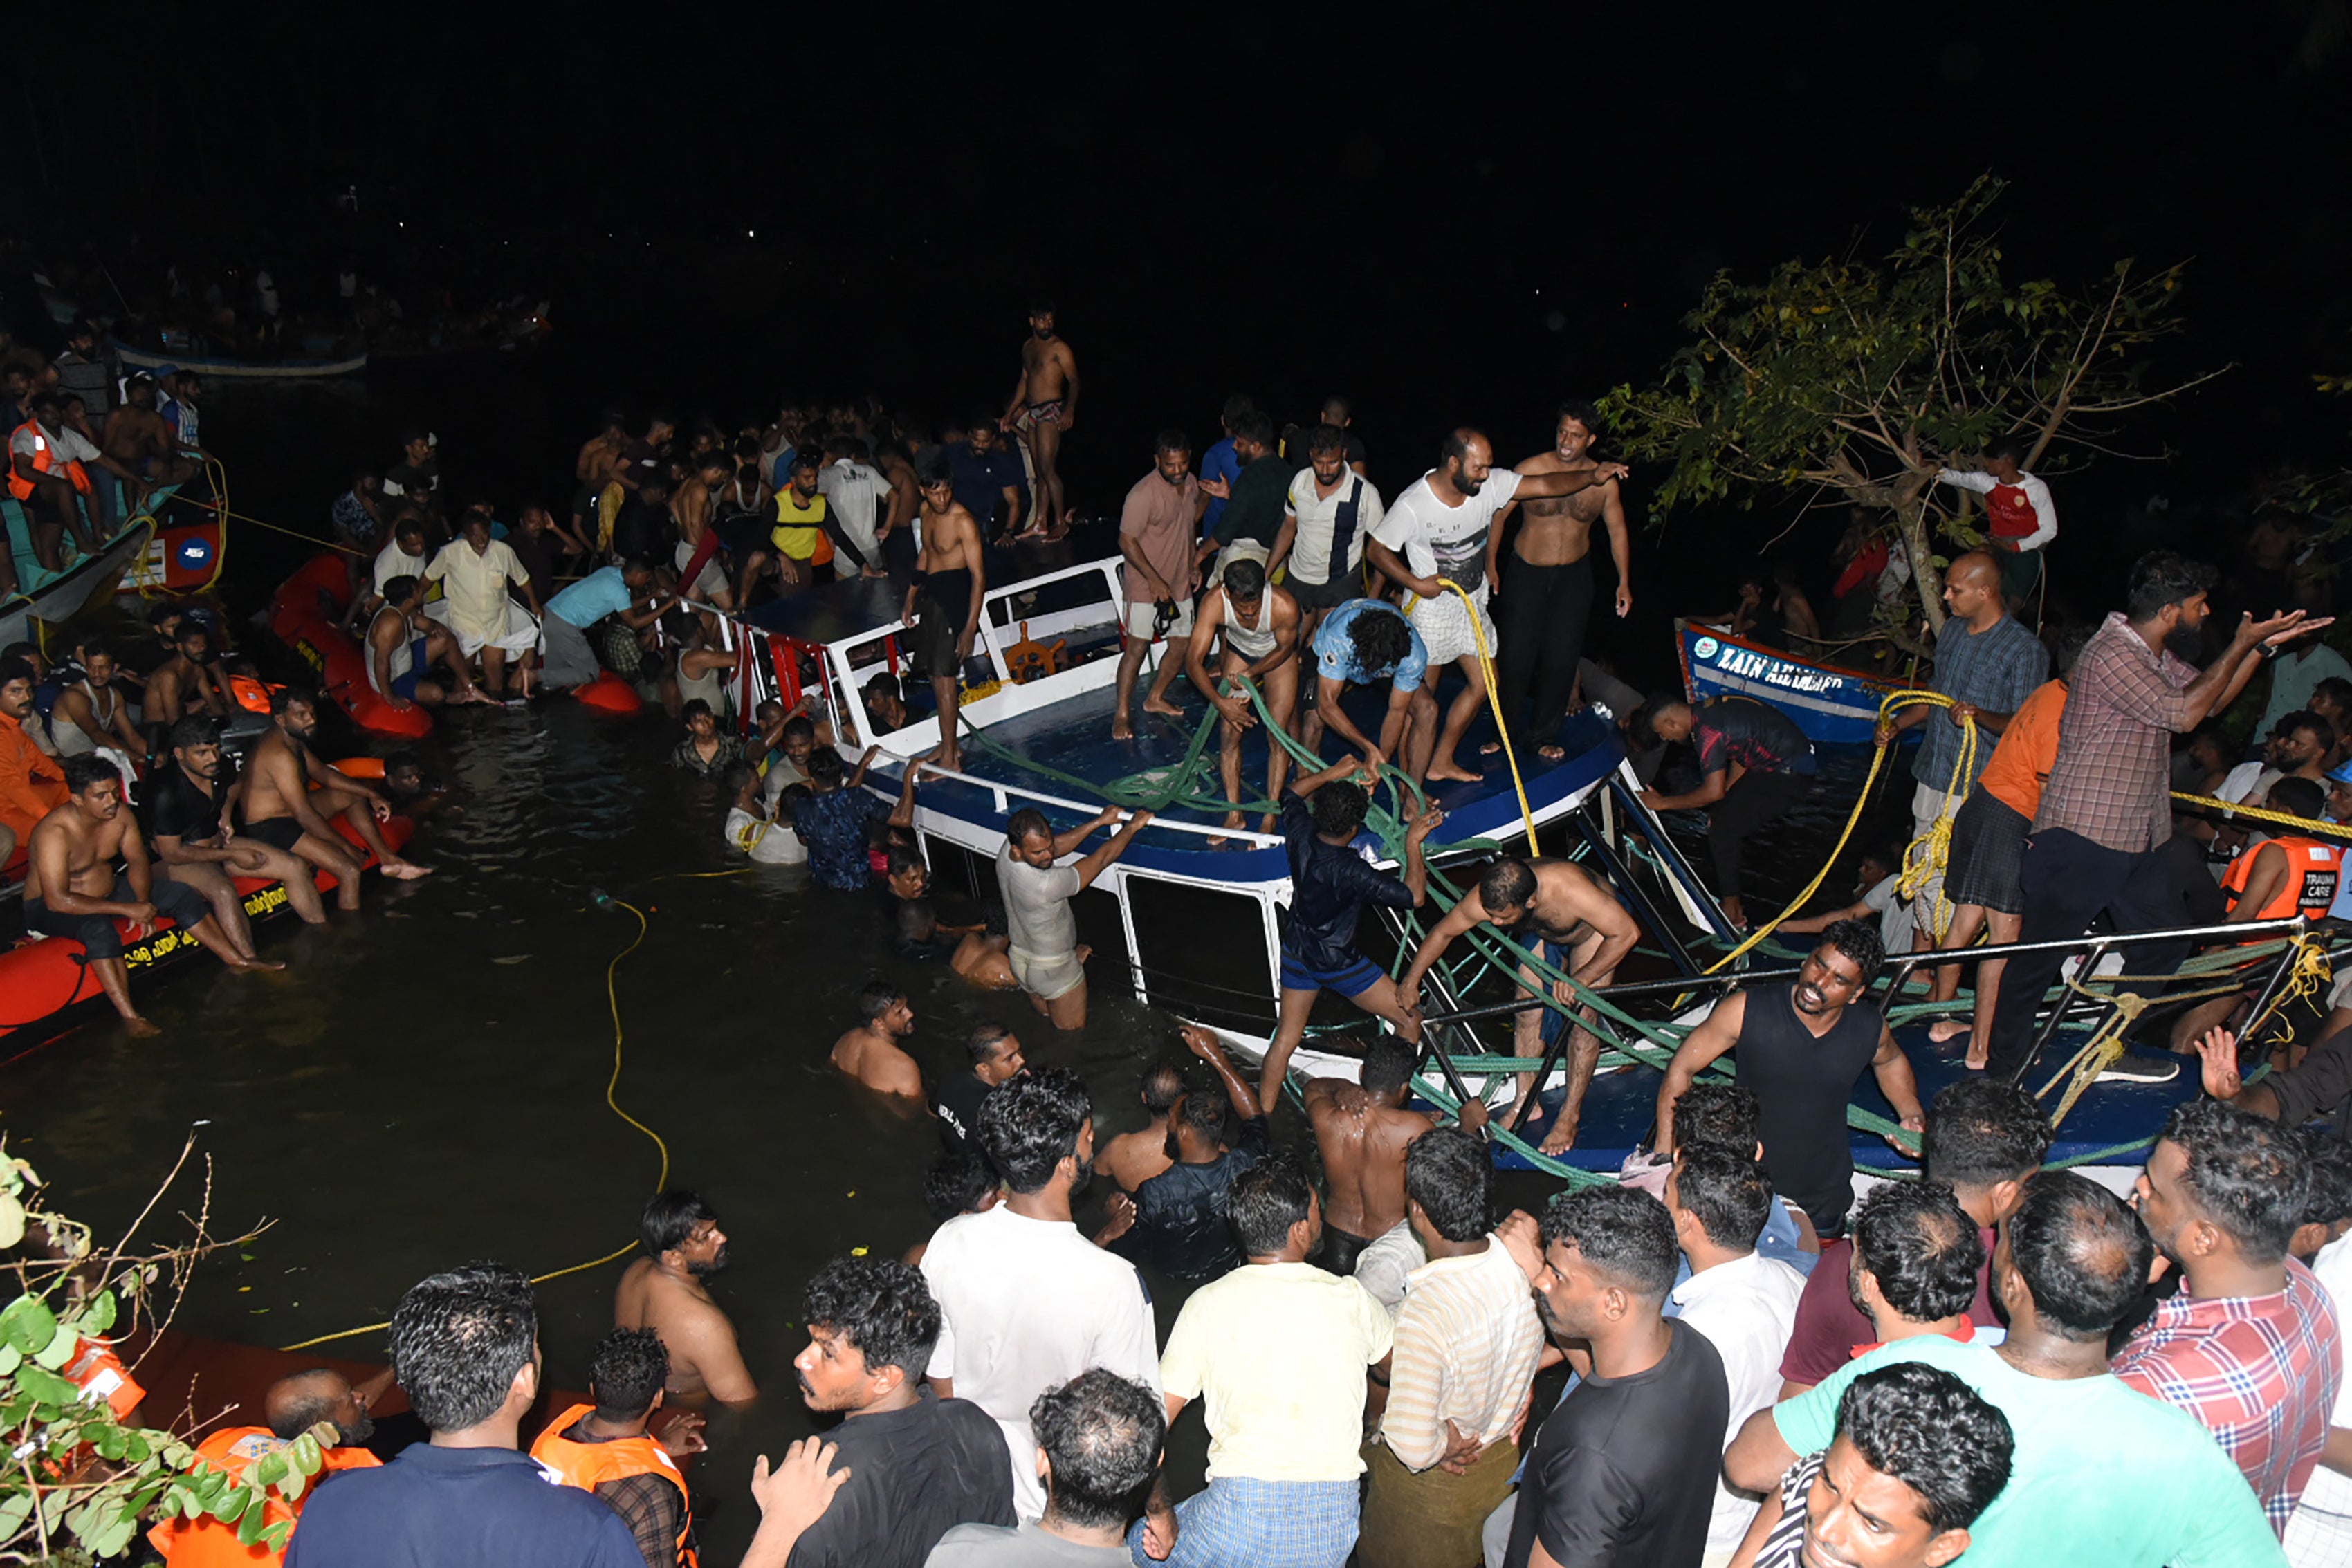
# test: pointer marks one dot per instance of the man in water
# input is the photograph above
(1442, 530)
(1802, 1045)
(871, 1053)
(188, 808)
(1575, 925)
(71, 888)
(1045, 404)
(1044, 936)
(476, 572)
(667, 1290)
(1331, 884)
(1131, 1159)
(283, 812)
(1754, 764)
(1547, 583)
(942, 607)
(995, 1054)
(1362, 1129)
(979, 957)
(1330, 511)
(1257, 624)
(1155, 527)
(1363, 641)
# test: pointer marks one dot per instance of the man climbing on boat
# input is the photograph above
(1258, 625)
(1754, 766)
(1330, 885)
(282, 810)
(1363, 641)
(1573, 923)
(943, 601)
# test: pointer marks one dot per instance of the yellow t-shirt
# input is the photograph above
(800, 531)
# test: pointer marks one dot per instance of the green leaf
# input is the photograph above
(292, 1488)
(256, 1518)
(229, 1504)
(98, 1316)
(135, 1446)
(15, 1509)
(275, 1536)
(108, 1440)
(27, 1323)
(305, 1455)
(12, 1219)
(46, 1385)
(111, 1540)
(59, 1350)
(269, 1471)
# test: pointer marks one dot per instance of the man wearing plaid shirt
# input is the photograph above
(2106, 810)
(2250, 1345)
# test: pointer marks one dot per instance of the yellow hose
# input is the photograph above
(1495, 703)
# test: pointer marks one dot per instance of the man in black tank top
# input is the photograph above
(1802, 1045)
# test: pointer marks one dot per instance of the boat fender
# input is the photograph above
(610, 693)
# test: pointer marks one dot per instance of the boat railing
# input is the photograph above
(1005, 793)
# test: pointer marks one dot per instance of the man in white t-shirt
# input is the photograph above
(855, 490)
(48, 475)
(1440, 532)
(403, 556)
(1332, 511)
(1028, 1302)
(2320, 1529)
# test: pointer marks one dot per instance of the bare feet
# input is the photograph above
(1562, 1138)
(1551, 753)
(1975, 1061)
(946, 756)
(1163, 707)
(405, 871)
(1122, 726)
(1735, 911)
(138, 1028)
(1232, 820)
(1454, 772)
(1943, 1030)
(1268, 822)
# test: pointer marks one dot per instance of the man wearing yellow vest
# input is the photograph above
(805, 536)
(605, 1449)
(293, 1406)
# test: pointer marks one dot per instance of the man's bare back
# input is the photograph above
(1133, 1158)
(696, 1332)
(874, 1060)
(1362, 1142)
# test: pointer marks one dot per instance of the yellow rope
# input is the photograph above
(1494, 701)
(613, 999)
(2265, 814)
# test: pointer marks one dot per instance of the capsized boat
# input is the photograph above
(1832, 704)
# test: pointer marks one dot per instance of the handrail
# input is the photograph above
(1090, 809)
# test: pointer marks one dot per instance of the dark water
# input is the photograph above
(424, 1084)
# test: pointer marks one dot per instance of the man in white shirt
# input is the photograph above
(855, 490)
(1332, 511)
(2320, 1531)
(403, 556)
(1029, 1302)
(1468, 1343)
(1440, 531)
(49, 476)
(2021, 518)
(474, 571)
(1743, 1302)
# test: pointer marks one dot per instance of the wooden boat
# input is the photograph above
(215, 366)
(1832, 704)
(55, 598)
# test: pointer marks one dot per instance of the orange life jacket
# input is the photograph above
(587, 1465)
(44, 459)
(2314, 871)
(100, 1373)
(205, 1541)
(250, 695)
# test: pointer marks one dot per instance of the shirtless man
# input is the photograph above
(980, 958)
(282, 811)
(188, 807)
(1575, 925)
(666, 1290)
(905, 496)
(942, 605)
(1361, 1130)
(598, 465)
(1133, 1158)
(1258, 625)
(1044, 406)
(1548, 583)
(689, 509)
(404, 646)
(139, 440)
(71, 888)
(871, 1053)
(189, 684)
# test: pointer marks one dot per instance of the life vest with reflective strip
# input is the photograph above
(205, 1541)
(44, 460)
(589, 1464)
(2314, 871)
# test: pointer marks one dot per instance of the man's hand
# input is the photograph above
(1199, 1042)
(1964, 712)
(1915, 1124)
(1472, 1117)
(963, 642)
(1462, 1450)
(684, 1435)
(1624, 601)
(1236, 710)
(1881, 735)
(1374, 760)
(1523, 1239)
(1104, 818)
(871, 753)
(796, 1493)
(2219, 1051)
(1605, 472)
(1423, 825)
(1219, 489)
(399, 705)
(1121, 1210)
(1651, 799)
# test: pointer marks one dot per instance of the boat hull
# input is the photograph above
(243, 369)
(62, 598)
(306, 614)
(1832, 704)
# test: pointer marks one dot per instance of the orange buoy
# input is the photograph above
(610, 694)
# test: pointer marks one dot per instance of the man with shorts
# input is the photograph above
(188, 807)
(1330, 883)
(283, 812)
(1363, 641)
(942, 610)
(1442, 530)
(71, 888)
(1754, 764)
(1044, 936)
(1332, 511)
(1575, 925)
(1258, 626)
(698, 541)
(1157, 527)
(403, 647)
(476, 572)
(624, 596)
(1045, 404)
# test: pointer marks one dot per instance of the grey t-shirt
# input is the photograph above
(993, 1546)
(1037, 917)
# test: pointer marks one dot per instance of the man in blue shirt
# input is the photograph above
(465, 1345)
(613, 590)
(1221, 461)
(835, 819)
(988, 479)
(1363, 641)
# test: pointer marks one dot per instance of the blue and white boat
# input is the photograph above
(1832, 704)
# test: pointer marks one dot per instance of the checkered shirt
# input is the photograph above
(2112, 779)
(1996, 669)
(2260, 1372)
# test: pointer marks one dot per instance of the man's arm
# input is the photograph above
(791, 1497)
(1416, 869)
(903, 814)
(1069, 386)
(174, 850)
(1064, 842)
(1621, 545)
(1568, 481)
(2328, 1070)
(1716, 1034)
(1203, 1045)
(831, 524)
(1812, 924)
(1283, 539)
(1711, 789)
(1465, 914)
(380, 663)
(1092, 866)
(1327, 692)
(1207, 625)
(1393, 564)
(2263, 882)
(1760, 1455)
(1893, 1071)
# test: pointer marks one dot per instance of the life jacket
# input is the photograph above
(44, 459)
(205, 1541)
(2314, 870)
(100, 1373)
(589, 1464)
(2009, 513)
(250, 695)
(800, 531)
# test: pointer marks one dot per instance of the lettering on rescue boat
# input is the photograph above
(1748, 665)
(311, 656)
(261, 901)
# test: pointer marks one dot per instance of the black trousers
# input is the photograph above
(1757, 800)
(2068, 883)
(1542, 618)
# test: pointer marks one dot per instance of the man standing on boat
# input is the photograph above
(1156, 530)
(1330, 511)
(1988, 664)
(1258, 626)
(1045, 404)
(943, 601)
(2098, 840)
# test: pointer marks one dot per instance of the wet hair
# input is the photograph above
(1326, 439)
(1727, 1191)
(284, 697)
(799, 724)
(826, 766)
(1237, 406)
(2082, 1254)
(628, 1374)
(2162, 577)
(669, 1219)
(1102, 1434)
(1339, 807)
(2329, 1159)
(2009, 446)
(193, 730)
(1624, 1234)
(879, 1306)
(1388, 1062)
(1382, 639)
(2298, 797)
(1584, 414)
(2245, 1174)
(457, 1339)
(789, 803)
(1983, 1131)
(957, 1183)
(86, 769)
(1508, 883)
(1203, 1113)
(1919, 1244)
(1245, 581)
(1858, 940)
(1268, 1199)
(902, 859)
(985, 1044)
(694, 708)
(1255, 425)
(879, 997)
(1027, 822)
(1030, 1124)
(1163, 1085)
(1170, 440)
(1921, 1426)
(1727, 1115)
(1451, 1174)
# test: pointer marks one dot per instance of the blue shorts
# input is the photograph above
(404, 685)
(1350, 981)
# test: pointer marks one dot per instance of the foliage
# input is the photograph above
(1861, 380)
(83, 1481)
